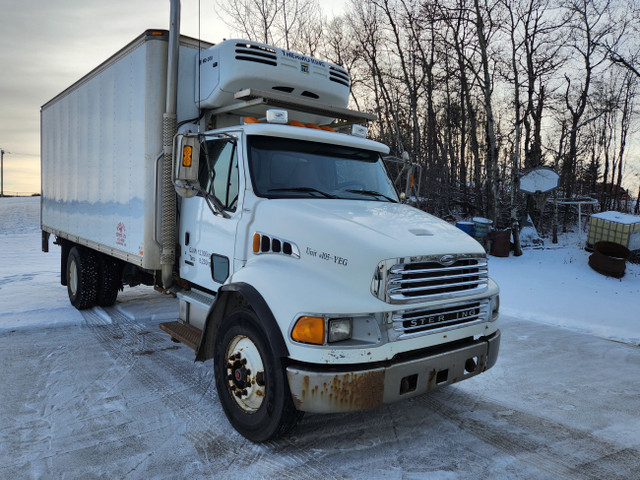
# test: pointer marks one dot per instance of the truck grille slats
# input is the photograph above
(442, 281)
(419, 280)
(430, 278)
(434, 269)
(419, 322)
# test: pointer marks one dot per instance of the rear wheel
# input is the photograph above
(251, 382)
(109, 281)
(82, 277)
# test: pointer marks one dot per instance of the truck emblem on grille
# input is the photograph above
(447, 260)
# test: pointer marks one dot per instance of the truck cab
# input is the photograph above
(368, 300)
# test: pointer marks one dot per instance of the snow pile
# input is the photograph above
(554, 285)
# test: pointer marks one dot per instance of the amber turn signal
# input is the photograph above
(309, 330)
(256, 243)
(187, 155)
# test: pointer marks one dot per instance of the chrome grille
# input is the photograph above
(430, 278)
(422, 321)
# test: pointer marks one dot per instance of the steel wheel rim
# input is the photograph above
(245, 374)
(73, 277)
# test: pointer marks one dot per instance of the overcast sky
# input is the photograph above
(45, 46)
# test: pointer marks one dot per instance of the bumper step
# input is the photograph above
(183, 332)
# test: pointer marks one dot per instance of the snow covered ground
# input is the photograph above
(105, 394)
(556, 286)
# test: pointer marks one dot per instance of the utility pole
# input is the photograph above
(1, 173)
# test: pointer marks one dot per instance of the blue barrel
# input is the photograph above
(481, 227)
(466, 227)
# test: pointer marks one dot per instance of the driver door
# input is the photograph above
(207, 239)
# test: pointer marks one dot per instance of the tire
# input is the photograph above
(251, 382)
(109, 281)
(82, 277)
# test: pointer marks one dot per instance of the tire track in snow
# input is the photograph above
(142, 352)
(554, 448)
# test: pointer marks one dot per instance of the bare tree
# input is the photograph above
(591, 24)
(252, 19)
(291, 24)
(484, 25)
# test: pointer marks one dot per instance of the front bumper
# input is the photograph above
(332, 390)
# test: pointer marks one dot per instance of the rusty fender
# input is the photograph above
(322, 391)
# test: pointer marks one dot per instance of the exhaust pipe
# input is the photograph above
(169, 128)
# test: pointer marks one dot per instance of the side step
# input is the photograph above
(183, 332)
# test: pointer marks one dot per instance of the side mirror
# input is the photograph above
(186, 152)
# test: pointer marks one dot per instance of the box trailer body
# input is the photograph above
(100, 142)
(297, 269)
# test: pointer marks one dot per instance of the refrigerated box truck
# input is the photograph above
(234, 177)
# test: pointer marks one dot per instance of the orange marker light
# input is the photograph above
(309, 330)
(256, 243)
(247, 120)
(187, 155)
(296, 123)
(327, 128)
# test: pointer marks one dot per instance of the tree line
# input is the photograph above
(479, 92)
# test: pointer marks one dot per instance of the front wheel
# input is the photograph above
(251, 381)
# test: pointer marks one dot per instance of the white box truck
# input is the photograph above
(228, 176)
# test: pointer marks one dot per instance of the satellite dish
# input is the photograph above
(540, 180)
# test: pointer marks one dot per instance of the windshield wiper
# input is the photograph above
(373, 193)
(303, 189)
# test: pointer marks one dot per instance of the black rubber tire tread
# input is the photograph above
(277, 415)
(87, 270)
(109, 280)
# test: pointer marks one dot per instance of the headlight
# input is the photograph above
(318, 330)
(340, 329)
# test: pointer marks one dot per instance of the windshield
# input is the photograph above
(285, 168)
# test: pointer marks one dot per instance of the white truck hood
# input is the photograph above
(361, 228)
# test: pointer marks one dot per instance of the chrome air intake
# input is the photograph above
(435, 277)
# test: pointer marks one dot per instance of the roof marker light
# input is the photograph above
(359, 131)
(277, 116)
